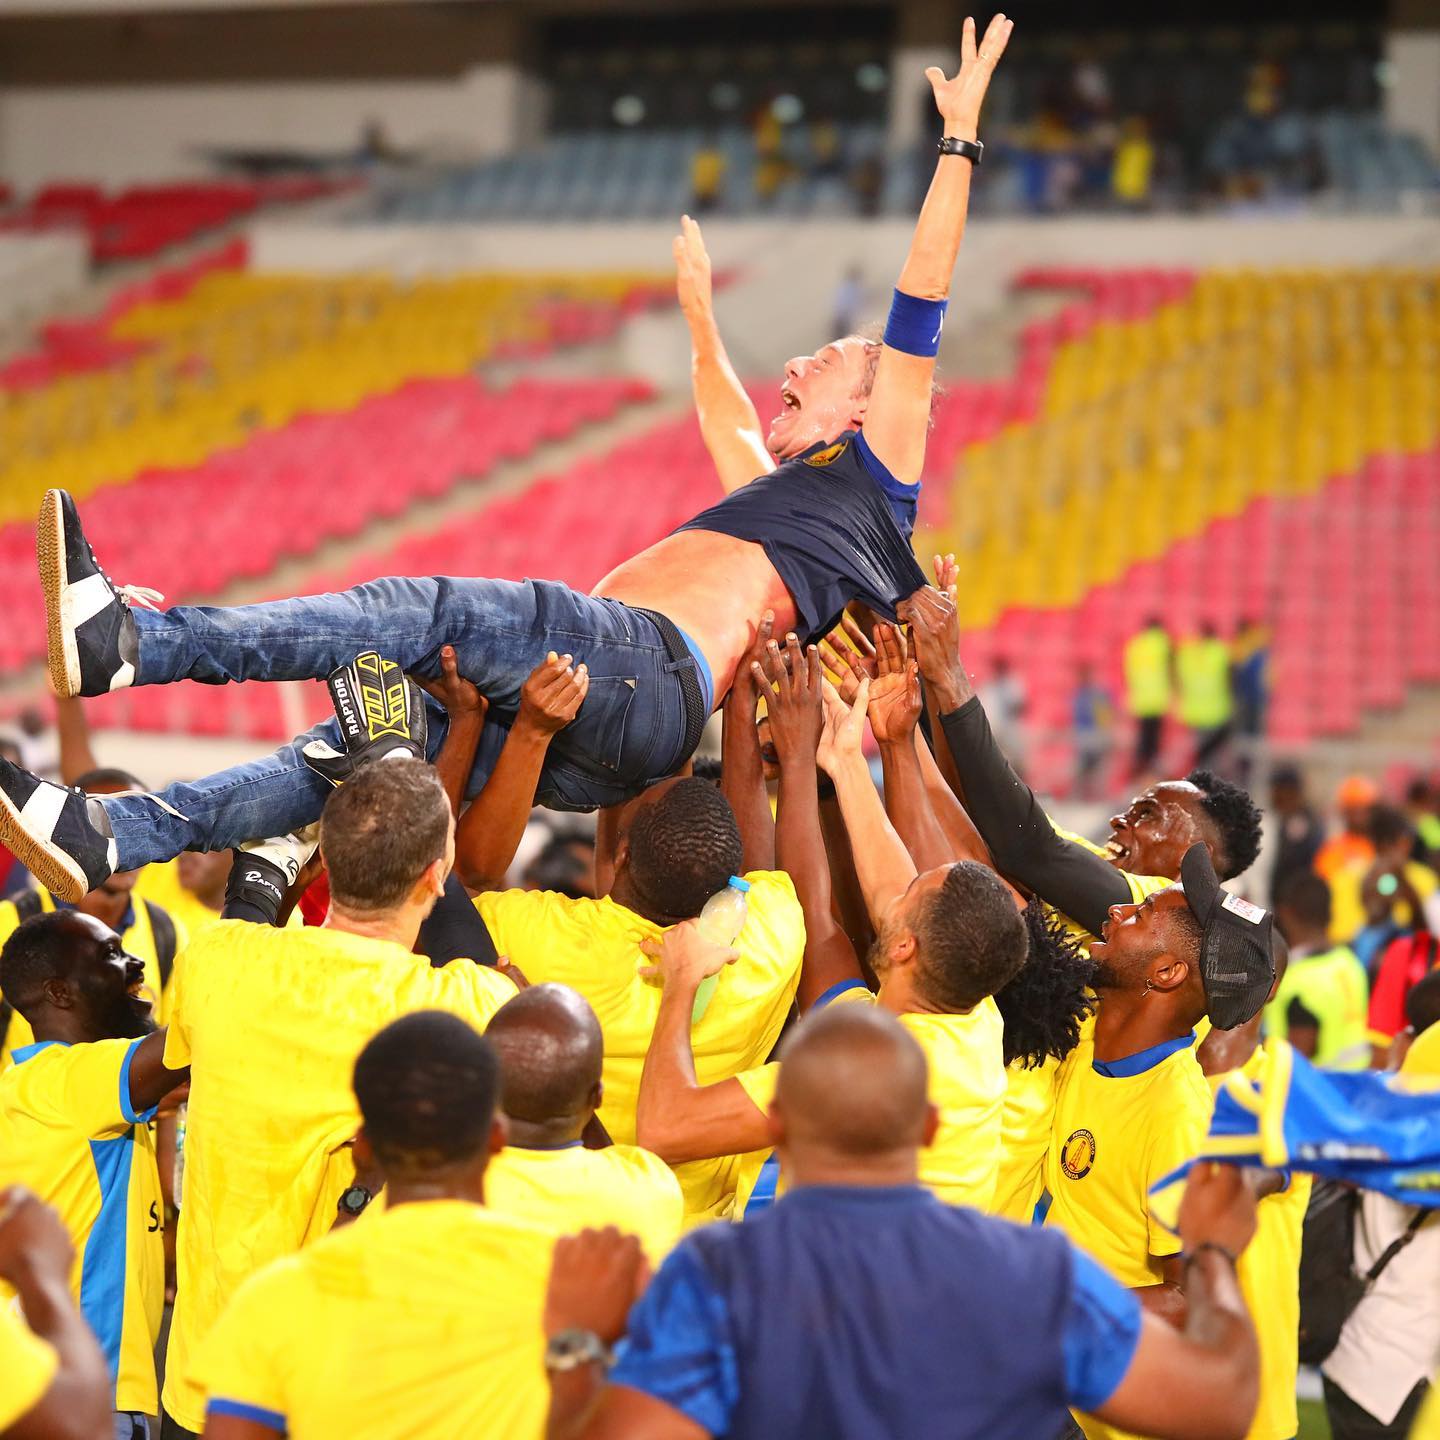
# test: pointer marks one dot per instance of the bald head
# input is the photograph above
(853, 1085)
(550, 1049)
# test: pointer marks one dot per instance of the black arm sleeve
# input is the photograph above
(453, 930)
(1076, 881)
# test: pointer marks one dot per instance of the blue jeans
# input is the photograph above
(630, 732)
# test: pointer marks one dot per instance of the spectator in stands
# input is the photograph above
(1320, 1005)
(1422, 802)
(312, 996)
(1133, 165)
(1093, 719)
(74, 1113)
(1148, 664)
(1206, 701)
(1300, 832)
(1351, 844)
(867, 184)
(707, 174)
(771, 1328)
(56, 1386)
(1407, 961)
(1004, 698)
(1378, 1375)
(677, 845)
(850, 302)
(826, 158)
(550, 1049)
(1390, 875)
(425, 1320)
(1250, 658)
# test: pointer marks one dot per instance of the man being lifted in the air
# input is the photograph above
(657, 644)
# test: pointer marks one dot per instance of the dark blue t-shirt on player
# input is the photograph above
(836, 526)
(854, 1312)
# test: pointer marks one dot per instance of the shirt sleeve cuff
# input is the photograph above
(896, 489)
(1101, 1335)
(127, 1109)
(272, 1419)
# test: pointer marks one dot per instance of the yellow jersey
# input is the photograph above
(271, 1022)
(138, 936)
(1269, 1275)
(1025, 1127)
(1139, 885)
(1427, 1422)
(424, 1320)
(28, 1365)
(594, 946)
(570, 1188)
(69, 1133)
(967, 1084)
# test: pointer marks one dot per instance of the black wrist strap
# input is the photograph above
(1209, 1245)
(972, 150)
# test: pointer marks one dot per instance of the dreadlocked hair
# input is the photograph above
(1235, 816)
(1044, 1005)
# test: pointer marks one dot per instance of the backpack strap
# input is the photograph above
(1396, 1246)
(162, 928)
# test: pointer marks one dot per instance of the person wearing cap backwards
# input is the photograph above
(1133, 1104)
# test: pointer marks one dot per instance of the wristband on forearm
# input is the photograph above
(255, 890)
(1191, 1256)
(914, 325)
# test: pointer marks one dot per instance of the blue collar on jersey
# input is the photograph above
(29, 1052)
(1141, 1060)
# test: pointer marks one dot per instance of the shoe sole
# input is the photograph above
(47, 863)
(64, 658)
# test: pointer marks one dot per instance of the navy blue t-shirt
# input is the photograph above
(836, 526)
(853, 1312)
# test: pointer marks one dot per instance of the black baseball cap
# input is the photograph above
(1237, 960)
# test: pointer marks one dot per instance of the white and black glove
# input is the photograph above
(381, 713)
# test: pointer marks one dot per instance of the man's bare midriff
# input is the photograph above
(714, 587)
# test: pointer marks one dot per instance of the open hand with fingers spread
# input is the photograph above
(895, 702)
(844, 729)
(849, 656)
(553, 694)
(958, 99)
(797, 716)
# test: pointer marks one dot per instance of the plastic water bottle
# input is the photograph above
(721, 922)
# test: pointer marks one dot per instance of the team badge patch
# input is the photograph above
(829, 455)
(1078, 1154)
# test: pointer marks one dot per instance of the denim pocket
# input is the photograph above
(595, 740)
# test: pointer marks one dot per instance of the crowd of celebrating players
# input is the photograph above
(819, 1109)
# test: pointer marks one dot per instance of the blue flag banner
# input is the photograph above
(1378, 1131)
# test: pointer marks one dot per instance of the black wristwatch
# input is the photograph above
(570, 1349)
(972, 150)
(354, 1201)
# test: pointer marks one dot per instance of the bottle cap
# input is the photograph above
(738, 884)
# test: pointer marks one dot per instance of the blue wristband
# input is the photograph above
(914, 325)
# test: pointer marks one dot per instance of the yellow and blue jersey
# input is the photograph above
(425, 1320)
(69, 1132)
(28, 1365)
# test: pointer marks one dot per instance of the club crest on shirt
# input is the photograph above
(829, 455)
(1078, 1154)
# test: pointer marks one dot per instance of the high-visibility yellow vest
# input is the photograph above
(1147, 673)
(1203, 670)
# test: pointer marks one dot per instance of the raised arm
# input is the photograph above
(35, 1260)
(1009, 818)
(882, 862)
(797, 717)
(728, 423)
(742, 768)
(489, 832)
(150, 1080)
(676, 1117)
(465, 706)
(898, 417)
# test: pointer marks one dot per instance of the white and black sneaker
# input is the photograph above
(91, 632)
(59, 834)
